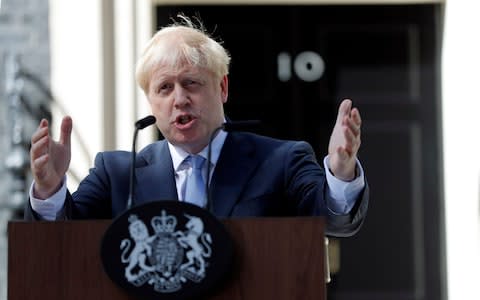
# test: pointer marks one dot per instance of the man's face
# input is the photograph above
(188, 105)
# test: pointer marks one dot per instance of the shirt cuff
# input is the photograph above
(49, 208)
(343, 194)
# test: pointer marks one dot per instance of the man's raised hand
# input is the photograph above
(345, 142)
(49, 160)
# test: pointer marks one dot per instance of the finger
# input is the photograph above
(66, 131)
(41, 131)
(344, 109)
(39, 164)
(43, 123)
(352, 141)
(39, 167)
(349, 139)
(350, 123)
(39, 148)
(39, 134)
(355, 115)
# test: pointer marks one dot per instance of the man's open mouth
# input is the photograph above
(184, 119)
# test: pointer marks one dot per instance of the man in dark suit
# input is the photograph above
(184, 74)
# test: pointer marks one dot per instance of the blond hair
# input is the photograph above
(181, 44)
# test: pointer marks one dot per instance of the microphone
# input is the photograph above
(139, 125)
(145, 122)
(228, 127)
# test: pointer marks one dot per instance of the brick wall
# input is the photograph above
(24, 33)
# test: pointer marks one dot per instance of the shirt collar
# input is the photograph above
(179, 155)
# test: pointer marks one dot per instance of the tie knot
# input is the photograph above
(197, 161)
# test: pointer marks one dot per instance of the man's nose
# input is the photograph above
(181, 97)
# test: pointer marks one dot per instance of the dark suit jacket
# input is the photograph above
(254, 176)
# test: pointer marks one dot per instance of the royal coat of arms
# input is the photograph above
(169, 257)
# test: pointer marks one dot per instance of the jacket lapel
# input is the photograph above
(235, 164)
(155, 179)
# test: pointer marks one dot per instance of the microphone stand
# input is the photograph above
(140, 124)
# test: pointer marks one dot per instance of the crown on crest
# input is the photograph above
(132, 218)
(165, 223)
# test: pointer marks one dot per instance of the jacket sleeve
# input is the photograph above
(350, 224)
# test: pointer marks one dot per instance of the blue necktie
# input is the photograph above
(195, 190)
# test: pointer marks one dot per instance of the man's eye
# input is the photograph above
(164, 87)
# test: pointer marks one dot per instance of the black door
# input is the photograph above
(292, 65)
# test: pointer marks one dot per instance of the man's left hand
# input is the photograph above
(345, 142)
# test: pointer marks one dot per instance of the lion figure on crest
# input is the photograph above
(139, 233)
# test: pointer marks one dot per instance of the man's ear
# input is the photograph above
(224, 88)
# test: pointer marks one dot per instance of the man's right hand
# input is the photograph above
(49, 160)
